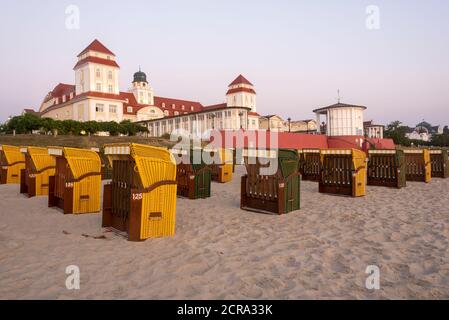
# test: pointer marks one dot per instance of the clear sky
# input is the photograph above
(297, 53)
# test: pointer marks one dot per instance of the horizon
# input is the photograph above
(294, 53)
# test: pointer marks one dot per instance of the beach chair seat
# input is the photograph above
(192, 174)
(418, 166)
(386, 168)
(76, 185)
(275, 190)
(222, 168)
(310, 165)
(39, 167)
(343, 172)
(439, 163)
(141, 198)
(12, 161)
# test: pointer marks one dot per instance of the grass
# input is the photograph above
(77, 141)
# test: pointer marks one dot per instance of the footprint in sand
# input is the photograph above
(269, 283)
(251, 291)
(13, 244)
(291, 262)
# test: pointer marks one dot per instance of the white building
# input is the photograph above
(341, 119)
(373, 130)
(96, 96)
(239, 112)
(277, 123)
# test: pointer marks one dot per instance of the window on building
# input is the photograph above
(129, 109)
(173, 106)
(112, 108)
(191, 108)
(99, 107)
(110, 89)
(99, 87)
(152, 111)
(176, 113)
(98, 73)
(166, 112)
(163, 105)
(149, 98)
(110, 75)
(182, 107)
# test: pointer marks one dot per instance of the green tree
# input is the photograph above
(130, 128)
(91, 127)
(112, 127)
(48, 125)
(396, 131)
(23, 124)
(440, 140)
(70, 127)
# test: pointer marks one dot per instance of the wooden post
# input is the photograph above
(135, 216)
(243, 196)
(106, 220)
(23, 184)
(51, 191)
(281, 197)
(68, 198)
(191, 186)
(31, 185)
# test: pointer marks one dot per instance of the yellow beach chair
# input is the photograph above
(76, 185)
(141, 199)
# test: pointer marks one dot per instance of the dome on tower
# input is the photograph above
(140, 76)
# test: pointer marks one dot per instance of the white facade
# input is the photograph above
(374, 131)
(96, 96)
(96, 77)
(244, 96)
(342, 119)
(143, 93)
(198, 124)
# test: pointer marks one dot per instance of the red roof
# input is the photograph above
(132, 102)
(96, 94)
(98, 60)
(241, 89)
(253, 114)
(98, 47)
(290, 140)
(240, 80)
(287, 140)
(215, 107)
(60, 90)
(360, 142)
(166, 104)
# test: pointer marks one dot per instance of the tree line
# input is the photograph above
(397, 131)
(29, 123)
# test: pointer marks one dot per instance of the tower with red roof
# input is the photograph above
(241, 94)
(96, 70)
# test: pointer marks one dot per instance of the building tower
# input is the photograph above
(97, 70)
(241, 94)
(141, 89)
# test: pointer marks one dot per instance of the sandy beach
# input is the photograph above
(222, 252)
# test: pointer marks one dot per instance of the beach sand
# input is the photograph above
(222, 252)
